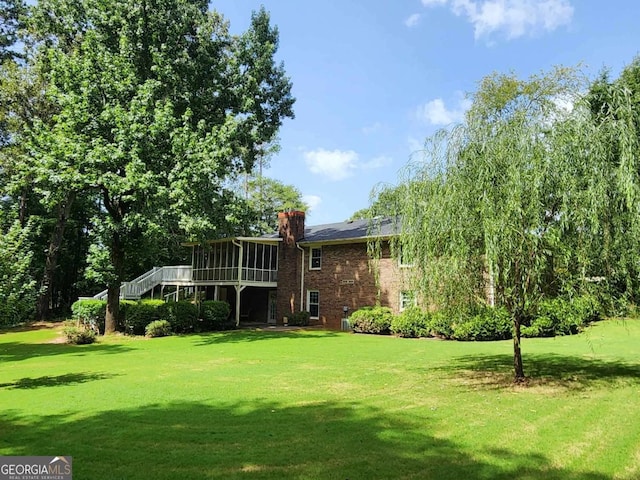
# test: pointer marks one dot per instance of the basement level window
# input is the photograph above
(407, 299)
(313, 303)
(315, 259)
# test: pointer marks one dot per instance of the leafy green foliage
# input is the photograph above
(371, 320)
(214, 316)
(11, 13)
(17, 287)
(534, 195)
(560, 316)
(90, 313)
(153, 120)
(266, 197)
(299, 319)
(158, 328)
(183, 316)
(79, 335)
(488, 324)
(411, 323)
(140, 314)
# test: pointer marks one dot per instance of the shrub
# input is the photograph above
(183, 316)
(440, 325)
(559, 316)
(588, 308)
(158, 328)
(371, 320)
(124, 306)
(488, 324)
(90, 313)
(215, 316)
(529, 331)
(412, 323)
(140, 314)
(299, 319)
(79, 335)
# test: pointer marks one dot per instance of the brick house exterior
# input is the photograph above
(322, 269)
(326, 268)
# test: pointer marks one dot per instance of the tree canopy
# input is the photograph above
(525, 199)
(152, 107)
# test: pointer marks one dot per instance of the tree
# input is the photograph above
(385, 201)
(157, 105)
(515, 193)
(11, 13)
(17, 287)
(266, 197)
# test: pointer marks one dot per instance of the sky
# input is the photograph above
(374, 78)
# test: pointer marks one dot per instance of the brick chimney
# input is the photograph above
(291, 226)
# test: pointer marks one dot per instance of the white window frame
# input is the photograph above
(407, 299)
(311, 249)
(309, 303)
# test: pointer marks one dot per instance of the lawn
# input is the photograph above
(325, 405)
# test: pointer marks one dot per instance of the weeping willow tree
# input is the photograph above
(516, 200)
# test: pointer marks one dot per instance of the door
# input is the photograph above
(271, 319)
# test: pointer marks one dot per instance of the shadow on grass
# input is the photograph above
(57, 381)
(17, 351)
(264, 440)
(30, 327)
(560, 371)
(243, 336)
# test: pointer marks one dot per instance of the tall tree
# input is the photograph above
(266, 197)
(11, 21)
(517, 191)
(158, 105)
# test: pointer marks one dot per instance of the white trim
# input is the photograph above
(402, 306)
(311, 249)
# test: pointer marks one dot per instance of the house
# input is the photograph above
(322, 269)
(326, 269)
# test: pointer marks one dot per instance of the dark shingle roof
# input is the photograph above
(351, 230)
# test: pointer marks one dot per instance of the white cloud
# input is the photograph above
(340, 164)
(334, 164)
(435, 112)
(515, 18)
(312, 200)
(413, 20)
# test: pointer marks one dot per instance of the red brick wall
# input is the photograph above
(346, 279)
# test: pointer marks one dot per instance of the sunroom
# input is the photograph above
(242, 271)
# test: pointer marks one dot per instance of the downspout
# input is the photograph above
(239, 286)
(301, 279)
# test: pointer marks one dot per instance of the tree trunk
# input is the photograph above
(43, 308)
(22, 211)
(113, 309)
(517, 354)
(113, 290)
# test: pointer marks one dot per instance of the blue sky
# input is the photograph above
(374, 78)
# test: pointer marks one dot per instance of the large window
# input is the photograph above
(313, 303)
(315, 259)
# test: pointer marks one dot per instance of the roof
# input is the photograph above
(350, 231)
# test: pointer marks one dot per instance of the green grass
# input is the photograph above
(316, 405)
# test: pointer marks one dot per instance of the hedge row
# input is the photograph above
(183, 317)
(554, 317)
